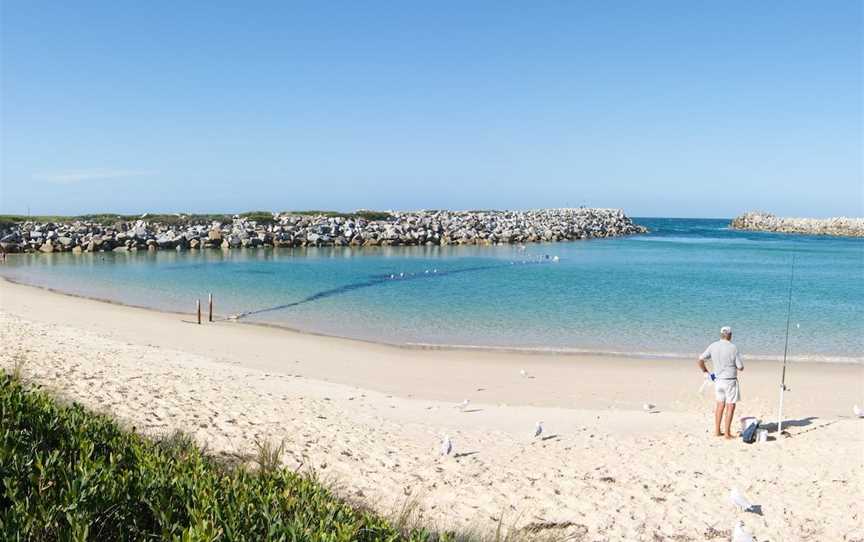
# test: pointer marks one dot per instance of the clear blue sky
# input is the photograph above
(662, 108)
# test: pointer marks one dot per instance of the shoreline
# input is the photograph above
(527, 350)
(408, 371)
(368, 420)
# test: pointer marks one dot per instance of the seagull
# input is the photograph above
(648, 407)
(464, 404)
(858, 411)
(739, 500)
(446, 446)
(538, 429)
(740, 534)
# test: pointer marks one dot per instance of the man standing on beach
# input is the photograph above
(727, 362)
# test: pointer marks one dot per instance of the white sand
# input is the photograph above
(369, 418)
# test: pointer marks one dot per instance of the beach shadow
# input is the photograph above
(465, 454)
(194, 322)
(473, 410)
(803, 422)
(550, 437)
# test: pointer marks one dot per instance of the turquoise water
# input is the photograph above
(665, 293)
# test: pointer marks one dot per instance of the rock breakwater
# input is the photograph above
(839, 226)
(326, 229)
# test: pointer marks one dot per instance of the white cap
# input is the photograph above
(725, 330)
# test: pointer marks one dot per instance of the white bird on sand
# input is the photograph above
(740, 534)
(464, 404)
(858, 411)
(523, 372)
(446, 445)
(538, 429)
(648, 407)
(739, 500)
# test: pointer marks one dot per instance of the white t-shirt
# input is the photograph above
(724, 357)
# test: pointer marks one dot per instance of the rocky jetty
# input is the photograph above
(840, 226)
(327, 229)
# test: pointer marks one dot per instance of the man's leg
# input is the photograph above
(718, 416)
(730, 413)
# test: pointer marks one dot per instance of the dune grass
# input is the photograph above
(70, 474)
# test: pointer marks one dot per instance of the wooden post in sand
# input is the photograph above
(210, 307)
(198, 305)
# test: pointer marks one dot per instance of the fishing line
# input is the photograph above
(786, 346)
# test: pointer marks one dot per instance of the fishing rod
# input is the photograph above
(786, 347)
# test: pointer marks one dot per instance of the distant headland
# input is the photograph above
(121, 233)
(761, 221)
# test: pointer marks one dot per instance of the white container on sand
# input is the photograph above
(746, 421)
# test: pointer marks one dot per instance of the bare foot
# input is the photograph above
(728, 436)
(718, 434)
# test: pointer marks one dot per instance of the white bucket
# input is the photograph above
(762, 435)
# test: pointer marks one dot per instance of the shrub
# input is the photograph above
(261, 217)
(362, 213)
(69, 474)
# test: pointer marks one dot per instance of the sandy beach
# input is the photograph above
(369, 418)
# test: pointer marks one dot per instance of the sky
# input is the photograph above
(693, 109)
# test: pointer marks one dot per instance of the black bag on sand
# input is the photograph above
(749, 434)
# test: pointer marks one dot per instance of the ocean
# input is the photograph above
(664, 294)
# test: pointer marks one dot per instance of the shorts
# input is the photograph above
(726, 390)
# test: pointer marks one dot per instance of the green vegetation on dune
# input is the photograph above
(69, 474)
(261, 217)
(364, 213)
(109, 219)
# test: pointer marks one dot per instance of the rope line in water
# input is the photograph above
(378, 280)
